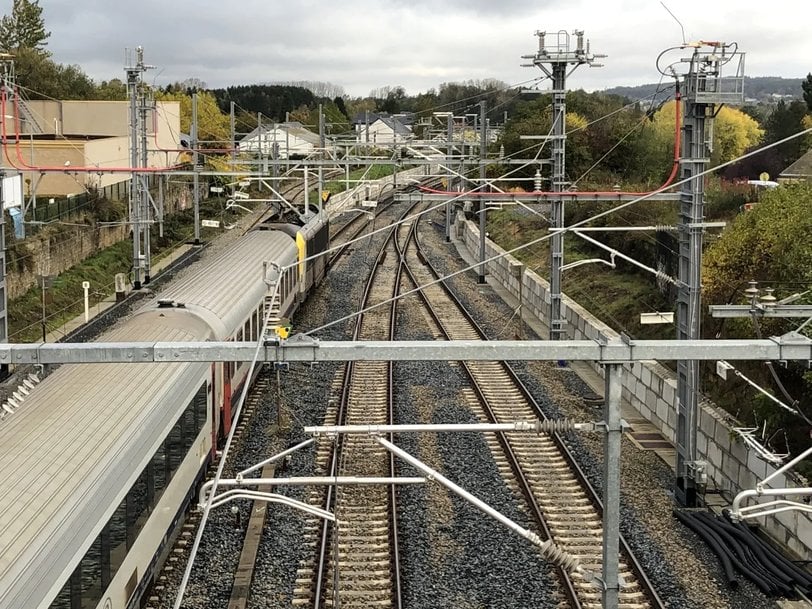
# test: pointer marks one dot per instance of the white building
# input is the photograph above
(383, 130)
(292, 140)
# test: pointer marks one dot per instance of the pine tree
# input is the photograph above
(806, 85)
(24, 28)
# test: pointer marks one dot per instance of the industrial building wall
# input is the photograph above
(163, 142)
(95, 118)
(52, 154)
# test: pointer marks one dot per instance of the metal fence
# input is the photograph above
(54, 208)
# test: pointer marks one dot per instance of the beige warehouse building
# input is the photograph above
(84, 134)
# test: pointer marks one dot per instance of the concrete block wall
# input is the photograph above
(353, 197)
(652, 390)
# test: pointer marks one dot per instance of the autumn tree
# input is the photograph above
(212, 125)
(768, 244)
(734, 132)
(24, 28)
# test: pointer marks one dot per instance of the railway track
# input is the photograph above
(563, 504)
(357, 563)
(179, 551)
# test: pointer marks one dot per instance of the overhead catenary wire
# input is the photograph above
(549, 235)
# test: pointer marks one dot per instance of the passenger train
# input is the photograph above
(101, 461)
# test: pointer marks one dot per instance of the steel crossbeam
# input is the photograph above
(305, 349)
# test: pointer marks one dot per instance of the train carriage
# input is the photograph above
(101, 461)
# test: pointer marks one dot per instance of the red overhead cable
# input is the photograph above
(577, 194)
(23, 166)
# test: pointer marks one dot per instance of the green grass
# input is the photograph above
(616, 296)
(338, 185)
(65, 298)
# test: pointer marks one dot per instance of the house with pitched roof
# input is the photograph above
(799, 170)
(290, 140)
(373, 128)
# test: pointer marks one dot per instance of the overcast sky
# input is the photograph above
(365, 44)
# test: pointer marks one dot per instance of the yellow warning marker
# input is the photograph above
(325, 196)
(283, 328)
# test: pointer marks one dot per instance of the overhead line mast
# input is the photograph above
(139, 190)
(554, 59)
(705, 88)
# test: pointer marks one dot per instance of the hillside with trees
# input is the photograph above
(762, 89)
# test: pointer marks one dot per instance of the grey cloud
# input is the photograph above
(364, 44)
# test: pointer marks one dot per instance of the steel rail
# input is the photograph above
(636, 567)
(322, 558)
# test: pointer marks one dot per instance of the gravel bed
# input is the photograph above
(684, 571)
(452, 555)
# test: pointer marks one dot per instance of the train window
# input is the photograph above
(201, 401)
(239, 335)
(92, 575)
(106, 566)
(138, 507)
(188, 426)
(159, 471)
(174, 448)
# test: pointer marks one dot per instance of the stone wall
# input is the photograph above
(49, 253)
(652, 390)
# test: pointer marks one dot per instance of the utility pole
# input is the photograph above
(135, 74)
(7, 83)
(554, 59)
(448, 219)
(233, 122)
(322, 143)
(145, 196)
(703, 89)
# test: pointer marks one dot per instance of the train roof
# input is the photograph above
(75, 447)
(70, 453)
(229, 287)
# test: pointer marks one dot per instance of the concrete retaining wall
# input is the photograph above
(652, 390)
(371, 190)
